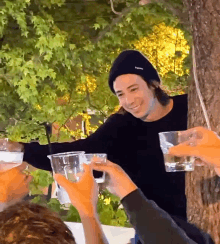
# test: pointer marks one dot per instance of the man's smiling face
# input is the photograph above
(134, 94)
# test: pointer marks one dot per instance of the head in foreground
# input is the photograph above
(29, 223)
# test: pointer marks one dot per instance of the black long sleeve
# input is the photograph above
(102, 141)
(154, 226)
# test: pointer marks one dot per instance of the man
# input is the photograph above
(130, 137)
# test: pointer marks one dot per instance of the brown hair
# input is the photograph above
(161, 95)
(30, 223)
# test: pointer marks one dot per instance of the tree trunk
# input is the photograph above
(203, 197)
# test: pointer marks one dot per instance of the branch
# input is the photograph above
(144, 2)
(182, 16)
(93, 106)
(64, 124)
(114, 22)
(87, 91)
(112, 7)
(7, 78)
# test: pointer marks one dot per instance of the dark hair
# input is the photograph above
(30, 223)
(161, 95)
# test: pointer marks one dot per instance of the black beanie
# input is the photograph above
(132, 62)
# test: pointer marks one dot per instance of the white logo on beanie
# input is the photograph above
(139, 68)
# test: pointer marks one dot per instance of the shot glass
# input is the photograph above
(173, 163)
(87, 159)
(69, 165)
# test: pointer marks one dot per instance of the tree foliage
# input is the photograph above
(167, 48)
(53, 50)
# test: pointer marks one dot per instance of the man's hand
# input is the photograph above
(116, 180)
(14, 184)
(202, 143)
(84, 193)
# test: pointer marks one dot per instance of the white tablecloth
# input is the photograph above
(115, 235)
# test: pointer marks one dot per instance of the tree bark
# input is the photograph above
(203, 197)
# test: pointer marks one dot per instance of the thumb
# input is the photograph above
(182, 150)
(87, 170)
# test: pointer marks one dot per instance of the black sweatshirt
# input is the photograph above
(134, 145)
(155, 226)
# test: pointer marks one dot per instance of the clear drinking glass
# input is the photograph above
(11, 154)
(68, 164)
(87, 158)
(173, 163)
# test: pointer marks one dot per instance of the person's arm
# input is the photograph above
(92, 229)
(152, 224)
(156, 226)
(36, 154)
(84, 197)
(101, 141)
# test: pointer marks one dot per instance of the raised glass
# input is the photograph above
(11, 154)
(68, 164)
(169, 139)
(102, 157)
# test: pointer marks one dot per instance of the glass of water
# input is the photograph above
(173, 163)
(9, 160)
(69, 165)
(11, 154)
(100, 157)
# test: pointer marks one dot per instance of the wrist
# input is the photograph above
(88, 212)
(132, 187)
(91, 215)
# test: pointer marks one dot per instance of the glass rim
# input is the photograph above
(170, 131)
(66, 154)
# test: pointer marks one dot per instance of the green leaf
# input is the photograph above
(106, 215)
(54, 205)
(128, 19)
(72, 46)
(37, 199)
(96, 26)
(72, 215)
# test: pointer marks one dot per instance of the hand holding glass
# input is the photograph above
(70, 165)
(100, 157)
(174, 163)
